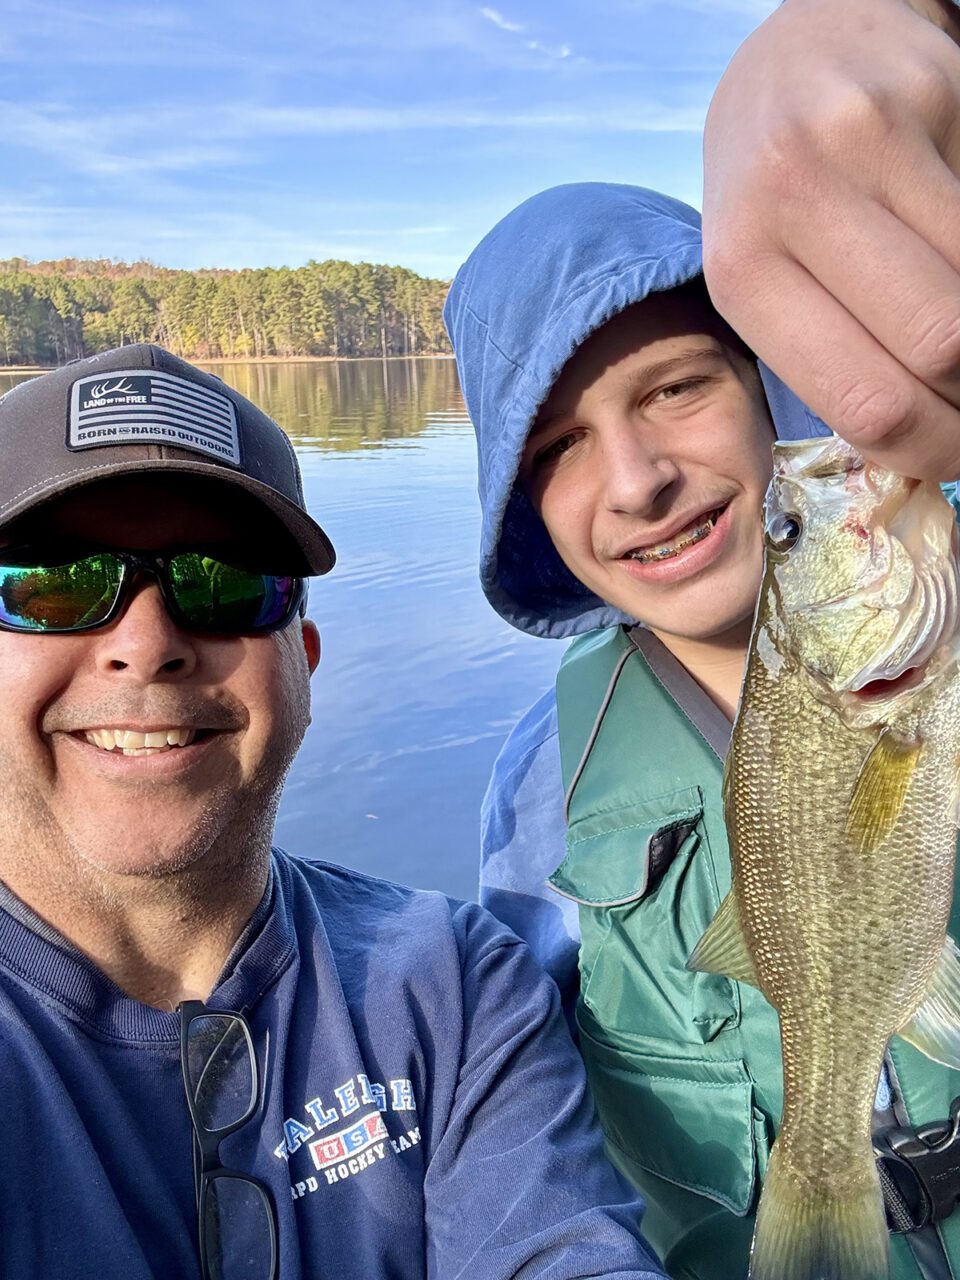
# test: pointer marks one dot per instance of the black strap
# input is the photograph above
(920, 1171)
(899, 1217)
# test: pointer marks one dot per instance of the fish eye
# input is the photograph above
(784, 530)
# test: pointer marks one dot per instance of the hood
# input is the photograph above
(550, 273)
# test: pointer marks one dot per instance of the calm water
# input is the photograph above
(420, 680)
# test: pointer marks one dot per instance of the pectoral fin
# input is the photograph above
(723, 947)
(935, 1028)
(881, 789)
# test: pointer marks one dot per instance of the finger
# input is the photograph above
(925, 194)
(891, 280)
(844, 374)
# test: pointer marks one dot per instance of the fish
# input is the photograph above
(840, 802)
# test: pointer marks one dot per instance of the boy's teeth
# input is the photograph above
(685, 538)
(131, 742)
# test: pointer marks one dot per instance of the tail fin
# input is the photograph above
(837, 1235)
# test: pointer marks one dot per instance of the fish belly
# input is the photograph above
(844, 943)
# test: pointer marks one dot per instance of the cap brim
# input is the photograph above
(317, 549)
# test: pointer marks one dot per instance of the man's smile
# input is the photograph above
(124, 755)
(137, 725)
(170, 736)
(134, 742)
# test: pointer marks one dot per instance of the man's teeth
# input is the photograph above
(685, 538)
(133, 743)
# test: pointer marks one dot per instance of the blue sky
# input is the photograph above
(253, 134)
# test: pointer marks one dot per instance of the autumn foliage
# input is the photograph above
(51, 312)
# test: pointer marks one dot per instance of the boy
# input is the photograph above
(624, 442)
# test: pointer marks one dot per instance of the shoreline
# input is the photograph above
(438, 355)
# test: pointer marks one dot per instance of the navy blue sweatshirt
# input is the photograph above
(423, 1112)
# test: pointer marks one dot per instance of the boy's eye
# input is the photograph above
(676, 390)
(550, 452)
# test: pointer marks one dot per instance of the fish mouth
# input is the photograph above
(689, 536)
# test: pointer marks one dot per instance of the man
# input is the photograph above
(625, 446)
(378, 1082)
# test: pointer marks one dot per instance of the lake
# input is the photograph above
(420, 680)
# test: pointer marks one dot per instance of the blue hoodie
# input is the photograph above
(546, 277)
(534, 289)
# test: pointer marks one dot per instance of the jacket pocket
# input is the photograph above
(691, 1121)
(644, 877)
(621, 855)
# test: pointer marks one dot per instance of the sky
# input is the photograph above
(233, 133)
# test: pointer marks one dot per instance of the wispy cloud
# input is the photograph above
(621, 117)
(547, 48)
(498, 20)
(211, 237)
(551, 51)
(55, 16)
(108, 146)
(219, 36)
(754, 9)
(218, 239)
(119, 146)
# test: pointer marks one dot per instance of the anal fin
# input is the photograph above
(881, 789)
(723, 947)
(935, 1028)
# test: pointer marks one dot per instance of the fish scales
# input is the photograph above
(839, 804)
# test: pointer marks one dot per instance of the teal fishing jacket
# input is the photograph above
(684, 1067)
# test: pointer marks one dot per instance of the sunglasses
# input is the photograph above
(201, 593)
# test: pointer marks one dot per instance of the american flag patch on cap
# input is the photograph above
(148, 407)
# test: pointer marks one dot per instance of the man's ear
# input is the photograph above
(311, 643)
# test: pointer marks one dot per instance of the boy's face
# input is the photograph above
(648, 464)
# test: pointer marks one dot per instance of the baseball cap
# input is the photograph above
(141, 409)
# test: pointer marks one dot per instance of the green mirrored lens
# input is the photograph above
(214, 596)
(61, 597)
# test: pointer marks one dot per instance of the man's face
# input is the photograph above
(229, 711)
(648, 464)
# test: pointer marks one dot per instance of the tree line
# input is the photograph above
(51, 312)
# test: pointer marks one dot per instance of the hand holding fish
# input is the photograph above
(839, 799)
(830, 212)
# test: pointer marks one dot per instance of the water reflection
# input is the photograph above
(351, 404)
(419, 680)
